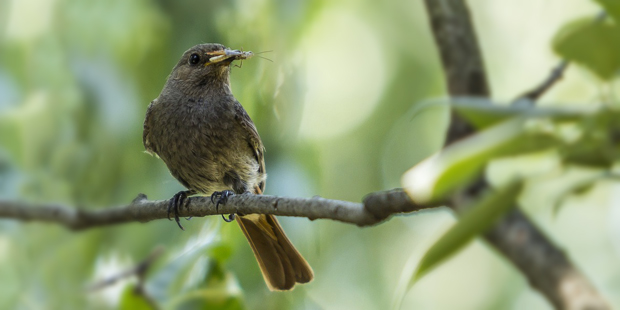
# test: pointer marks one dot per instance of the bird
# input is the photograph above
(211, 146)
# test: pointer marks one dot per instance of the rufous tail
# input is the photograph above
(281, 264)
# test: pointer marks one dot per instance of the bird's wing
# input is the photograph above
(150, 148)
(253, 138)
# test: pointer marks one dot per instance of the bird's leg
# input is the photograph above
(186, 203)
(179, 200)
(222, 198)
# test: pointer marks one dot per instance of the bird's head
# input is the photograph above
(206, 65)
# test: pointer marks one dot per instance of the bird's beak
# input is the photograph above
(226, 54)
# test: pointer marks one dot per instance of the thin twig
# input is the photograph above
(556, 74)
(138, 270)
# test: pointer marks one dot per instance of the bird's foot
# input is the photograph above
(231, 217)
(222, 198)
(179, 200)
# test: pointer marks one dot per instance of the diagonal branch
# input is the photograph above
(138, 270)
(547, 268)
(566, 287)
(376, 208)
(556, 75)
(460, 56)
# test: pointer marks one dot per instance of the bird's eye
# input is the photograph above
(194, 59)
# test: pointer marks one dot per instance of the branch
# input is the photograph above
(546, 267)
(533, 253)
(556, 74)
(460, 56)
(139, 271)
(376, 208)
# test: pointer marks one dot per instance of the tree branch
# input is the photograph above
(556, 74)
(460, 56)
(138, 270)
(534, 254)
(546, 267)
(376, 208)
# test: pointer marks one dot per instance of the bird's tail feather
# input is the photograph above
(281, 264)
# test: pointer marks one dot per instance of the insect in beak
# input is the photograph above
(222, 55)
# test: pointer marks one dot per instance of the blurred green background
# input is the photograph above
(334, 110)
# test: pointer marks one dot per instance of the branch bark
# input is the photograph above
(532, 252)
(547, 268)
(376, 208)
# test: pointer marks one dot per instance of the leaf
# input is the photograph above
(593, 45)
(475, 221)
(219, 291)
(612, 7)
(437, 176)
(220, 252)
(574, 181)
(178, 270)
(483, 113)
(212, 299)
(132, 301)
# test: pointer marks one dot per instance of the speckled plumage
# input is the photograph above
(203, 134)
(210, 144)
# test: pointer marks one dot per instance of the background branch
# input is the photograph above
(547, 268)
(556, 74)
(138, 270)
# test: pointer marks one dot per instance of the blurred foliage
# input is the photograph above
(582, 137)
(593, 43)
(131, 300)
(341, 110)
(579, 139)
(611, 7)
(479, 218)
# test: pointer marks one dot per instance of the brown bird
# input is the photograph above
(210, 145)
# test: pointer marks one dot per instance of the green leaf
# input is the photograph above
(483, 113)
(475, 221)
(439, 175)
(593, 45)
(175, 274)
(132, 301)
(211, 299)
(220, 252)
(219, 291)
(612, 7)
(574, 180)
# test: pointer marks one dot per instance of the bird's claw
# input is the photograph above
(222, 198)
(178, 200)
(231, 217)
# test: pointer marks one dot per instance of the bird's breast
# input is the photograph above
(201, 143)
